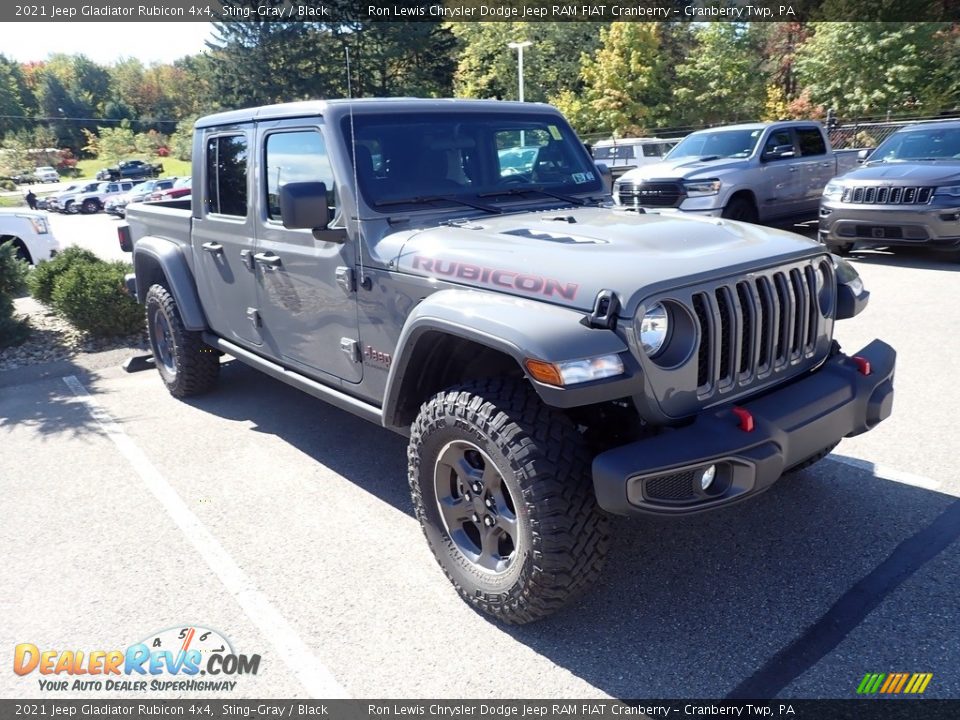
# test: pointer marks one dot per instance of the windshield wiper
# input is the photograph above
(420, 199)
(708, 158)
(534, 189)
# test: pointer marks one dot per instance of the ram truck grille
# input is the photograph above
(651, 194)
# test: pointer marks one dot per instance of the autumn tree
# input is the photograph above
(873, 68)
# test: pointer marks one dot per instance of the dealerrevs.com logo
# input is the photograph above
(174, 659)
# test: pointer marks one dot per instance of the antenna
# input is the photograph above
(362, 280)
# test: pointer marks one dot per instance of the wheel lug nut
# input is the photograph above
(488, 502)
(477, 487)
(475, 517)
(466, 496)
(488, 521)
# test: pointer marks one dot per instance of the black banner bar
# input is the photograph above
(344, 11)
(876, 709)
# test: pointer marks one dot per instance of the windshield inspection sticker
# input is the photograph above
(555, 132)
(580, 178)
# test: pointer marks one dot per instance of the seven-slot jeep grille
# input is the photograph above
(873, 195)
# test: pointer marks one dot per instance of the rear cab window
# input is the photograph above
(226, 166)
(811, 141)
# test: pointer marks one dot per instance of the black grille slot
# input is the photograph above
(747, 310)
(705, 349)
(813, 311)
(783, 328)
(858, 195)
(924, 194)
(882, 195)
(801, 306)
(870, 195)
(895, 195)
(767, 315)
(678, 487)
(909, 195)
(726, 328)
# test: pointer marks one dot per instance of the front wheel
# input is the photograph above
(89, 207)
(187, 365)
(501, 486)
(741, 209)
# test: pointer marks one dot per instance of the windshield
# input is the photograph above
(919, 144)
(717, 144)
(451, 157)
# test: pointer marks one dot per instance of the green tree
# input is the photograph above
(621, 88)
(487, 68)
(11, 97)
(873, 68)
(721, 80)
(111, 144)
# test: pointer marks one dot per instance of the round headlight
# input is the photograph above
(653, 329)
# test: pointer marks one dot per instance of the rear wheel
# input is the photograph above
(187, 365)
(90, 206)
(501, 487)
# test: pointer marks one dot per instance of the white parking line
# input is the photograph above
(887, 473)
(292, 651)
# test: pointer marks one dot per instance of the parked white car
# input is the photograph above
(30, 232)
(46, 174)
(625, 154)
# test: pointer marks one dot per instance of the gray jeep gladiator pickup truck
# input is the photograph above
(552, 359)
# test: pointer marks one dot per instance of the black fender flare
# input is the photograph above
(168, 255)
(518, 327)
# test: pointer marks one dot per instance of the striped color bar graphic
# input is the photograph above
(894, 683)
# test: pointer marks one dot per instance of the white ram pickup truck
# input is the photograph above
(755, 173)
(30, 233)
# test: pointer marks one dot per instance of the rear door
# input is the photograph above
(223, 236)
(817, 165)
(304, 282)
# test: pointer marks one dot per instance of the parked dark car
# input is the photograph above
(130, 170)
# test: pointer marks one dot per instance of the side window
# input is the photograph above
(226, 192)
(777, 141)
(652, 150)
(299, 156)
(811, 142)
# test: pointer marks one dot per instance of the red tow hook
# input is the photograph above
(863, 365)
(745, 418)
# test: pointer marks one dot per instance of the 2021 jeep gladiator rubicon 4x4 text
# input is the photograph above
(551, 358)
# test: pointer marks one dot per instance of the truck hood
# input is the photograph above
(568, 256)
(921, 173)
(684, 168)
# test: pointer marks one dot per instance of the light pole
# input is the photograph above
(519, 46)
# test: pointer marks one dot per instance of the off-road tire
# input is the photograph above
(740, 209)
(562, 536)
(812, 460)
(187, 365)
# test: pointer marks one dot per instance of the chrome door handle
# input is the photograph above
(268, 259)
(213, 248)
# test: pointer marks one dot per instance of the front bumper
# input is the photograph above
(661, 474)
(936, 224)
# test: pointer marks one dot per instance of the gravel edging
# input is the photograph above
(53, 338)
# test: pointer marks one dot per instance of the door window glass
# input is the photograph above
(299, 156)
(227, 175)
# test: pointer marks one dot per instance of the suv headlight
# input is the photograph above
(701, 188)
(39, 225)
(652, 329)
(949, 190)
(833, 191)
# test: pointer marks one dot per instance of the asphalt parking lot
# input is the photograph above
(285, 525)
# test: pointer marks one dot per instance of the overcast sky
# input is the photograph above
(104, 42)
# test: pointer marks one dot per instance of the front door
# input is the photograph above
(304, 283)
(223, 238)
(782, 189)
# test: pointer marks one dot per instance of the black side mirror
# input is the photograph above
(303, 205)
(606, 176)
(778, 152)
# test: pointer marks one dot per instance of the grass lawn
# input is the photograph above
(171, 167)
(12, 201)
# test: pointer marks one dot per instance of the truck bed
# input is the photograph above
(167, 219)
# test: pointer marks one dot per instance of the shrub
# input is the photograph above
(42, 280)
(13, 270)
(92, 297)
(8, 185)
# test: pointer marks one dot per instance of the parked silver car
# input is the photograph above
(906, 193)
